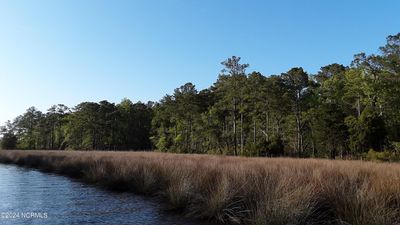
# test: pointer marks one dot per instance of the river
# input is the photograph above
(32, 197)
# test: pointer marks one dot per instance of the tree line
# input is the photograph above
(88, 126)
(339, 111)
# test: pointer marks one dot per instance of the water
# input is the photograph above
(32, 197)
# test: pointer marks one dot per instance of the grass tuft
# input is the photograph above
(237, 190)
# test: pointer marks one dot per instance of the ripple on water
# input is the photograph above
(69, 202)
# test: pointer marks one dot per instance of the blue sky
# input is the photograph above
(72, 51)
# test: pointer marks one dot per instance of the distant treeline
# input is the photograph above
(341, 110)
(88, 126)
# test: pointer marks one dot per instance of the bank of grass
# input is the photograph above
(236, 190)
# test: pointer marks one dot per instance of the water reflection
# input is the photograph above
(28, 196)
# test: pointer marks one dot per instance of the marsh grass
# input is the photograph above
(237, 190)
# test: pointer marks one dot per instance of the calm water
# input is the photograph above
(32, 197)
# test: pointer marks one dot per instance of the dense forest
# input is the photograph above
(88, 126)
(340, 111)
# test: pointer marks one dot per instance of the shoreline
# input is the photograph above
(237, 190)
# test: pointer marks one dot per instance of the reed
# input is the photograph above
(238, 190)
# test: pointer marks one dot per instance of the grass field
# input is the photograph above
(236, 190)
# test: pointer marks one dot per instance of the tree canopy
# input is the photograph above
(339, 111)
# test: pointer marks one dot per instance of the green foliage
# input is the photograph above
(367, 131)
(88, 126)
(162, 144)
(337, 112)
(396, 147)
(276, 147)
(341, 110)
(8, 141)
(384, 156)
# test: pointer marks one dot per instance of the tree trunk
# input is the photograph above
(298, 125)
(94, 140)
(266, 120)
(298, 130)
(191, 134)
(313, 144)
(234, 127)
(241, 133)
(176, 131)
(333, 152)
(254, 131)
(187, 136)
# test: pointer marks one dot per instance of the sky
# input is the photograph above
(72, 51)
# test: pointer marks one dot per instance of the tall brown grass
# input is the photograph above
(236, 190)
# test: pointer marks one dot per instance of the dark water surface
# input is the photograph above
(32, 197)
